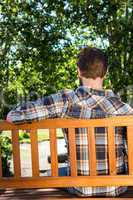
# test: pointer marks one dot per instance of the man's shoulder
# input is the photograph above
(68, 94)
(62, 95)
(66, 91)
(121, 107)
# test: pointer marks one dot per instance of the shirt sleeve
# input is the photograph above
(125, 110)
(47, 107)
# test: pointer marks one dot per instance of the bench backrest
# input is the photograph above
(73, 180)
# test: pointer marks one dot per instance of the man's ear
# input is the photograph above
(105, 76)
(79, 73)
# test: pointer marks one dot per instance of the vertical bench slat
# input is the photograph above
(16, 153)
(53, 150)
(111, 150)
(34, 153)
(92, 151)
(130, 148)
(72, 151)
(0, 163)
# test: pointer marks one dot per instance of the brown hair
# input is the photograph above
(92, 63)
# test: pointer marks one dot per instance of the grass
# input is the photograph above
(43, 135)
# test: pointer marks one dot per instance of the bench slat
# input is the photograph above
(66, 181)
(130, 148)
(16, 153)
(72, 151)
(53, 150)
(111, 150)
(72, 123)
(92, 151)
(0, 163)
(34, 152)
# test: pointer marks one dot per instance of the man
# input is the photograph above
(89, 100)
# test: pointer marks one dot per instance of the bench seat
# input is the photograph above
(42, 194)
(36, 181)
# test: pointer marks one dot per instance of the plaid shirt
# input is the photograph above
(83, 103)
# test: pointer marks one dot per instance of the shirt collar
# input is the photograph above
(85, 91)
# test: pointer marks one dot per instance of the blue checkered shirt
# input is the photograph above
(84, 103)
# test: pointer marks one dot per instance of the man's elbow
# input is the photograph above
(9, 117)
(15, 117)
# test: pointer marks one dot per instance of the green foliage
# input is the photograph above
(40, 40)
(6, 152)
(24, 136)
(111, 21)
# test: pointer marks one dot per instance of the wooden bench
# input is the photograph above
(55, 181)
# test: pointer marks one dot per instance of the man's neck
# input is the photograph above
(93, 83)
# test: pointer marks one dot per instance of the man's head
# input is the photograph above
(92, 63)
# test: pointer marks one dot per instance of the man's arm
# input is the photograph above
(47, 107)
(124, 109)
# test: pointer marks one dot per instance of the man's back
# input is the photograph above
(85, 103)
(89, 103)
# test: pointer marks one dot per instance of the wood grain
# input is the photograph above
(34, 152)
(111, 150)
(130, 148)
(73, 180)
(66, 181)
(92, 151)
(72, 123)
(16, 153)
(72, 151)
(53, 150)
(0, 163)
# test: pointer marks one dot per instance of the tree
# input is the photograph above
(40, 39)
(33, 48)
(112, 21)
